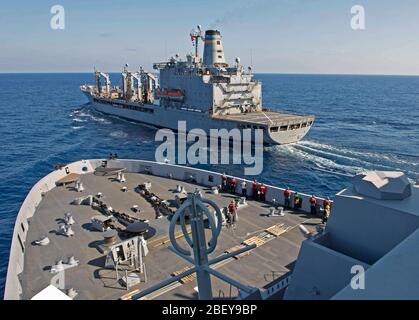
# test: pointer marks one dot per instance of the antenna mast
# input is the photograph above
(196, 34)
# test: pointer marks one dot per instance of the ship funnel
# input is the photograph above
(213, 49)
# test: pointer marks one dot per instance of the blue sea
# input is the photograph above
(363, 122)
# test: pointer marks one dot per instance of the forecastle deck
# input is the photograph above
(277, 238)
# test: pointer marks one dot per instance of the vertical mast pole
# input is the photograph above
(196, 46)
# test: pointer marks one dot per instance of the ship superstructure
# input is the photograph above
(210, 81)
(205, 92)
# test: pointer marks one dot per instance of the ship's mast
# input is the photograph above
(196, 34)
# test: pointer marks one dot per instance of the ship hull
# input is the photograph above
(160, 117)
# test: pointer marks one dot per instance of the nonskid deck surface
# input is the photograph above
(91, 280)
(265, 117)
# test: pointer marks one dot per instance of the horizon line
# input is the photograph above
(282, 73)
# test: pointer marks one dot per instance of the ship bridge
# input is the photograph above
(209, 84)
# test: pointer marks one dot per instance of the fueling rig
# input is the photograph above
(139, 86)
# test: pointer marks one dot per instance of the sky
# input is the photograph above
(274, 36)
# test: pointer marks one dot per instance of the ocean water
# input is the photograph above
(363, 122)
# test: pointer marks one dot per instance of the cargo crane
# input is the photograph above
(99, 75)
(127, 84)
(136, 76)
(146, 85)
(152, 84)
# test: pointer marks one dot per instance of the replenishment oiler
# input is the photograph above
(205, 92)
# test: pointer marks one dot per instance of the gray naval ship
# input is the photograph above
(206, 93)
(132, 229)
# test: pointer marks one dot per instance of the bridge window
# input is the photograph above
(274, 129)
(304, 125)
(284, 128)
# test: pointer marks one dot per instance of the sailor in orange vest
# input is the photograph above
(232, 210)
(327, 204)
(313, 202)
(287, 198)
(262, 190)
(233, 184)
(255, 189)
(224, 182)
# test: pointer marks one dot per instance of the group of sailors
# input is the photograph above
(327, 204)
(229, 184)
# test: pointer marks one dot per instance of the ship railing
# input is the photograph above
(277, 285)
(207, 178)
(161, 65)
(191, 109)
(286, 112)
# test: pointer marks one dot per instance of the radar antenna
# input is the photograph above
(196, 34)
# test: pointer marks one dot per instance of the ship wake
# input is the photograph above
(86, 114)
(346, 161)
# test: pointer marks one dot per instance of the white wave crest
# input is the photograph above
(88, 115)
(79, 120)
(118, 134)
(345, 161)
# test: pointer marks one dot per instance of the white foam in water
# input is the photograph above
(118, 134)
(319, 161)
(74, 112)
(102, 120)
(83, 114)
(344, 161)
(79, 120)
(344, 151)
(366, 160)
(336, 156)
